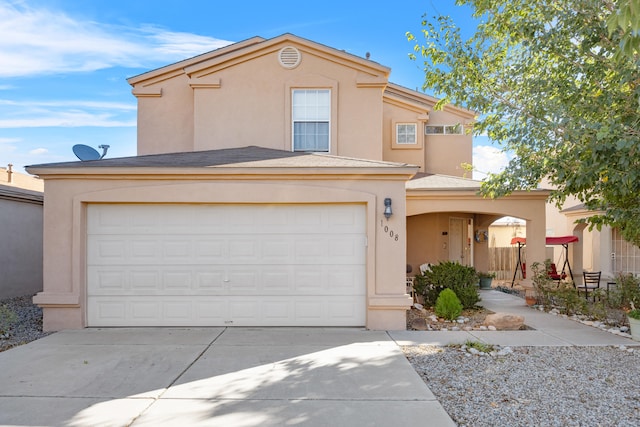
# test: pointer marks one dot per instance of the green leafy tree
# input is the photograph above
(556, 83)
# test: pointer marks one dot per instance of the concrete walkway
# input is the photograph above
(548, 330)
(247, 376)
(214, 376)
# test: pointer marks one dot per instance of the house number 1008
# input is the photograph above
(391, 233)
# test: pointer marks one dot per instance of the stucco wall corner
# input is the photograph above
(387, 319)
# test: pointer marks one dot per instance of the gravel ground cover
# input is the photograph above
(25, 327)
(534, 386)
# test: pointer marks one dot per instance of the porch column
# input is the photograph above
(576, 254)
(603, 254)
(536, 229)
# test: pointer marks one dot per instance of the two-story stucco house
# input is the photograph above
(277, 182)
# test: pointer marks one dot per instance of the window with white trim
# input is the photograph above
(311, 119)
(406, 133)
(443, 129)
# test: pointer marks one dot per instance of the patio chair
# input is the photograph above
(590, 283)
(425, 267)
(554, 275)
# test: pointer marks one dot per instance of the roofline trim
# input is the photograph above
(391, 87)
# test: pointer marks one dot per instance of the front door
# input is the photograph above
(459, 249)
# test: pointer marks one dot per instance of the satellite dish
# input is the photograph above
(86, 153)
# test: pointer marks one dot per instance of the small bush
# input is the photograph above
(448, 305)
(626, 293)
(452, 275)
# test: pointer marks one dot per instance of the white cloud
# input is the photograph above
(487, 159)
(67, 119)
(9, 140)
(39, 151)
(41, 41)
(71, 103)
(69, 113)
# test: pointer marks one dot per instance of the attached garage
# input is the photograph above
(237, 237)
(226, 265)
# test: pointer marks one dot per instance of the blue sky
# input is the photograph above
(65, 62)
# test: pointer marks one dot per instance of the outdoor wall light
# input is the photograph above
(387, 208)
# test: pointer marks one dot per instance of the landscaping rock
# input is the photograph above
(419, 324)
(504, 321)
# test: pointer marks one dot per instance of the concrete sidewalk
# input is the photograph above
(214, 376)
(548, 330)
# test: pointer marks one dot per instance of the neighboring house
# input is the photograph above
(258, 197)
(21, 201)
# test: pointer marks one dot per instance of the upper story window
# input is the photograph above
(311, 118)
(443, 129)
(406, 133)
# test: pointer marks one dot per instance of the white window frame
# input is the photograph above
(456, 129)
(318, 113)
(401, 135)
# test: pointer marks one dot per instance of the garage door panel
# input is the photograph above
(129, 280)
(232, 311)
(231, 280)
(177, 251)
(258, 219)
(265, 250)
(215, 265)
(145, 280)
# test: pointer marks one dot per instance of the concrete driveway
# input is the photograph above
(214, 376)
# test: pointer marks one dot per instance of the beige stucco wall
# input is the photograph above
(10, 177)
(64, 293)
(246, 100)
(428, 237)
(165, 117)
(21, 248)
(437, 154)
(500, 235)
(395, 111)
(444, 154)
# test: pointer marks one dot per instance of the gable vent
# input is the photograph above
(289, 57)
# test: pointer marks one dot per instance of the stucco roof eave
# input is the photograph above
(471, 193)
(180, 65)
(393, 88)
(387, 172)
(21, 195)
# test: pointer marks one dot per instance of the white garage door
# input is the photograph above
(226, 265)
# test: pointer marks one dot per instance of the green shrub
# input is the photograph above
(421, 287)
(626, 293)
(452, 275)
(7, 319)
(542, 283)
(448, 305)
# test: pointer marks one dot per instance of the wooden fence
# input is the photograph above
(503, 261)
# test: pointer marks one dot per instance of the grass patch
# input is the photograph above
(480, 346)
